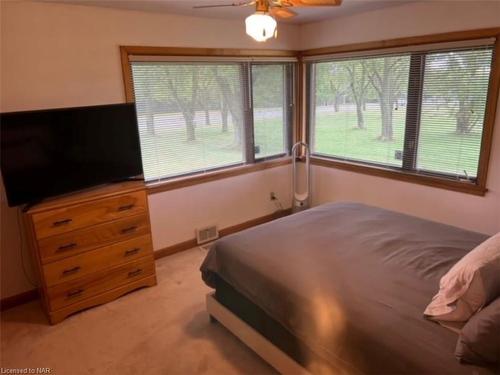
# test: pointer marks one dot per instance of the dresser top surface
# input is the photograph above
(100, 192)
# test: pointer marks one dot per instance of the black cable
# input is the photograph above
(277, 202)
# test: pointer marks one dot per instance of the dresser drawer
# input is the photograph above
(65, 294)
(95, 260)
(69, 244)
(69, 218)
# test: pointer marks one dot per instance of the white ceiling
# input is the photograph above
(185, 7)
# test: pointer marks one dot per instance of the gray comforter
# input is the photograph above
(351, 281)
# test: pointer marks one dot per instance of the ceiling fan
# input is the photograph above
(262, 24)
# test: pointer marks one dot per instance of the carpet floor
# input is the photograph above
(160, 330)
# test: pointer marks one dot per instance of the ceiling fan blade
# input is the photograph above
(314, 3)
(239, 4)
(282, 13)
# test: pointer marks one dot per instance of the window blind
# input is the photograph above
(216, 59)
(421, 111)
(191, 116)
(453, 103)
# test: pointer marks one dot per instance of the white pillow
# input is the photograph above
(473, 282)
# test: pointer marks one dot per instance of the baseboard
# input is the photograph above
(31, 295)
(18, 299)
(254, 222)
(189, 244)
(181, 246)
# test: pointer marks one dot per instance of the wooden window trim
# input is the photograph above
(126, 51)
(420, 179)
(180, 182)
(177, 183)
(455, 36)
(300, 126)
(477, 188)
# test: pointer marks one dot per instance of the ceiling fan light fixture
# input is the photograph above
(260, 26)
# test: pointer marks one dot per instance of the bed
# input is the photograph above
(343, 286)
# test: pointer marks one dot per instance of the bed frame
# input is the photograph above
(253, 339)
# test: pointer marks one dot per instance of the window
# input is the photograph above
(419, 112)
(198, 116)
(454, 92)
(272, 109)
(359, 109)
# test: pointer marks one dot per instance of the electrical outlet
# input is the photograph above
(272, 196)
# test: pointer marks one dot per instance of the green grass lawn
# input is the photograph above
(336, 134)
(269, 135)
(440, 148)
(168, 153)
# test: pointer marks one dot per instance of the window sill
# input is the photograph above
(440, 183)
(178, 183)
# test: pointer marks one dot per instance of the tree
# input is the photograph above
(267, 86)
(461, 79)
(166, 88)
(387, 76)
(224, 112)
(331, 83)
(183, 83)
(358, 84)
(206, 95)
(146, 95)
(338, 91)
(228, 81)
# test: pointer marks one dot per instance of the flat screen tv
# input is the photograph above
(51, 152)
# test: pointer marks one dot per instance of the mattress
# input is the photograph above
(273, 331)
(350, 282)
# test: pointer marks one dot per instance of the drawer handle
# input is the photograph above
(61, 222)
(67, 247)
(74, 293)
(71, 271)
(132, 251)
(126, 207)
(129, 229)
(135, 273)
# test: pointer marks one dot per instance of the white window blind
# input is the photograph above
(191, 116)
(198, 116)
(454, 94)
(421, 111)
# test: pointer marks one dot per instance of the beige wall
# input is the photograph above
(467, 211)
(55, 55)
(415, 18)
(175, 214)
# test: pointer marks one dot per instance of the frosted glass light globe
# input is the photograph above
(260, 26)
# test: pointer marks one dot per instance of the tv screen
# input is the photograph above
(51, 152)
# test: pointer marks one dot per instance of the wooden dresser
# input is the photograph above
(91, 247)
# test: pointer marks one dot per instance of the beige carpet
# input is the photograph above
(159, 330)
